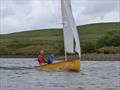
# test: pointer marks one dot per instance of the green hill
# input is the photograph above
(51, 40)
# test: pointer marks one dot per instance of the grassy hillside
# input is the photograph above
(50, 40)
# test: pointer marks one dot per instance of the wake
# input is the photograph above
(15, 68)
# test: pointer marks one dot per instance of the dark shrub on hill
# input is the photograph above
(88, 47)
(110, 39)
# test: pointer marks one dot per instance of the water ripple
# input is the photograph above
(94, 75)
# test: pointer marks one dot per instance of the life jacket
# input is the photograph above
(50, 60)
(41, 58)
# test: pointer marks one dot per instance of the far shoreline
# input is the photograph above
(85, 57)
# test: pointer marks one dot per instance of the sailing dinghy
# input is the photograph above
(71, 42)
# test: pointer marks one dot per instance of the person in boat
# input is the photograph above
(41, 58)
(50, 59)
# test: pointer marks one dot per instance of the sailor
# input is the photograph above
(41, 58)
(50, 59)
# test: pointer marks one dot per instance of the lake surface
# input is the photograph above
(18, 74)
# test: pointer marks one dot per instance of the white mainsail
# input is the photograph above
(69, 29)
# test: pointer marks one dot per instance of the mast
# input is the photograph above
(64, 25)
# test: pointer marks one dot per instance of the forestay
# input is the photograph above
(71, 38)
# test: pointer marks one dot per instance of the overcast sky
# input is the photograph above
(21, 15)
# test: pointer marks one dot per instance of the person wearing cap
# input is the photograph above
(50, 59)
(41, 58)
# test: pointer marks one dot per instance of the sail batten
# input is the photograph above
(69, 29)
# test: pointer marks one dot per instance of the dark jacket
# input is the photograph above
(50, 60)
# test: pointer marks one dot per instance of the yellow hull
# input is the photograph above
(72, 65)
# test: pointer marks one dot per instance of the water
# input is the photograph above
(18, 74)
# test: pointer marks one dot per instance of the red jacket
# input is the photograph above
(41, 58)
